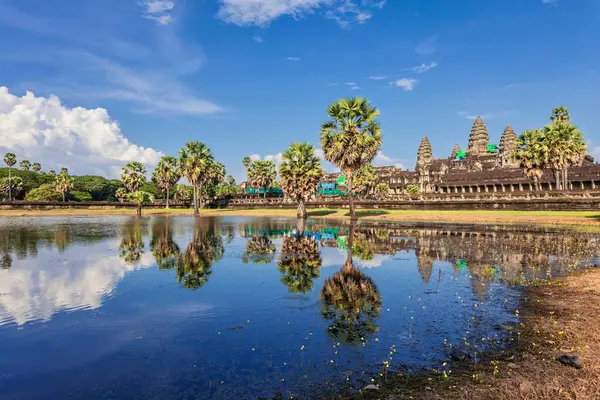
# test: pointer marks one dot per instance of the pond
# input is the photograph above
(247, 308)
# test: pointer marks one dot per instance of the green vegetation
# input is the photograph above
(194, 163)
(351, 138)
(262, 174)
(382, 190)
(166, 175)
(412, 189)
(45, 192)
(300, 174)
(63, 183)
(365, 179)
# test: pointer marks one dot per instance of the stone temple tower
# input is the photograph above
(478, 139)
(424, 160)
(508, 142)
(455, 151)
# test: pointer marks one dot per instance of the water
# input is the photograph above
(224, 308)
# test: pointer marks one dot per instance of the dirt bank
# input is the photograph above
(561, 317)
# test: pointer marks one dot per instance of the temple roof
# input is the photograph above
(478, 139)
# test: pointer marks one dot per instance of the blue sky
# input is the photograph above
(251, 76)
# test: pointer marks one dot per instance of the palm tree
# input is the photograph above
(230, 180)
(63, 183)
(560, 114)
(300, 173)
(351, 138)
(528, 153)
(11, 186)
(133, 176)
(261, 174)
(566, 148)
(139, 197)
(382, 190)
(246, 162)
(351, 301)
(121, 194)
(25, 165)
(166, 174)
(259, 250)
(300, 262)
(194, 162)
(37, 167)
(10, 159)
(52, 172)
(132, 242)
(164, 249)
(365, 179)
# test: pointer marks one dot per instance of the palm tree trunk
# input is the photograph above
(557, 179)
(195, 199)
(64, 197)
(300, 226)
(167, 206)
(139, 210)
(301, 209)
(9, 184)
(350, 195)
(565, 178)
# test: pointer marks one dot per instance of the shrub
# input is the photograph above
(46, 192)
(77, 195)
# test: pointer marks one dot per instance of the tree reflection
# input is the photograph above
(6, 261)
(259, 250)
(194, 266)
(164, 249)
(300, 262)
(351, 301)
(132, 242)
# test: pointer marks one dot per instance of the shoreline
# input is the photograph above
(557, 318)
(590, 219)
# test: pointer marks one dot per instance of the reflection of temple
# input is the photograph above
(483, 168)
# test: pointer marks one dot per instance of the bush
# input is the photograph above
(98, 187)
(46, 192)
(412, 189)
(76, 195)
(31, 180)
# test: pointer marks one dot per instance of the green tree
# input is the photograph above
(231, 180)
(132, 242)
(52, 173)
(412, 189)
(121, 194)
(246, 162)
(365, 179)
(45, 192)
(139, 197)
(63, 183)
(166, 175)
(162, 245)
(11, 187)
(261, 174)
(133, 176)
(529, 155)
(25, 165)
(10, 160)
(300, 263)
(382, 190)
(560, 115)
(351, 138)
(37, 167)
(300, 173)
(194, 162)
(259, 250)
(183, 193)
(193, 267)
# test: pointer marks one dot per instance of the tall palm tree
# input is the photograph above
(567, 148)
(166, 174)
(133, 176)
(52, 172)
(139, 197)
(365, 179)
(63, 183)
(25, 165)
(530, 154)
(10, 159)
(246, 161)
(560, 114)
(230, 180)
(37, 167)
(300, 173)
(351, 138)
(194, 162)
(261, 174)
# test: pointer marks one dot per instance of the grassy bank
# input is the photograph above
(558, 318)
(588, 218)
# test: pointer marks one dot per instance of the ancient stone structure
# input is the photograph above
(486, 168)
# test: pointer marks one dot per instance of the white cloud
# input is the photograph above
(319, 153)
(258, 39)
(85, 141)
(277, 158)
(353, 85)
(419, 69)
(596, 152)
(382, 160)
(406, 84)
(427, 46)
(550, 1)
(263, 12)
(293, 58)
(255, 157)
(158, 10)
(377, 77)
(489, 115)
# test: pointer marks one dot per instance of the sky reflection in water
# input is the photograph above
(172, 308)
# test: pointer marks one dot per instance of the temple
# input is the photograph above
(482, 168)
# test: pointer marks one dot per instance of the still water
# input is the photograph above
(242, 308)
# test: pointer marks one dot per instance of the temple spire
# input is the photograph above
(455, 151)
(508, 142)
(424, 154)
(478, 139)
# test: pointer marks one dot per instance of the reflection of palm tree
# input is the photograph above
(259, 250)
(164, 249)
(363, 249)
(351, 300)
(300, 263)
(193, 266)
(6, 261)
(132, 243)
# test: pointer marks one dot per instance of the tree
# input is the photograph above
(564, 146)
(139, 197)
(560, 114)
(259, 250)
(300, 262)
(527, 153)
(230, 180)
(10, 159)
(25, 165)
(11, 187)
(183, 193)
(166, 175)
(365, 179)
(121, 194)
(300, 173)
(163, 247)
(412, 189)
(194, 266)
(63, 183)
(246, 162)
(351, 138)
(382, 190)
(37, 167)
(132, 242)
(194, 162)
(45, 192)
(133, 176)
(261, 174)
(52, 173)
